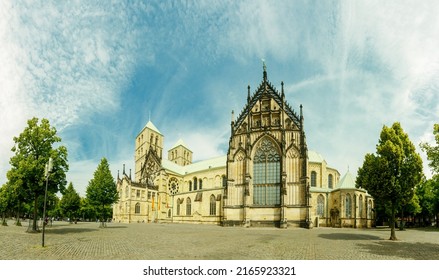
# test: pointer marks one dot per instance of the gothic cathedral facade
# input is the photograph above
(267, 178)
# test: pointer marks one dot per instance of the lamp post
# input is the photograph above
(47, 171)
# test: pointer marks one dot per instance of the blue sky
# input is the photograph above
(98, 72)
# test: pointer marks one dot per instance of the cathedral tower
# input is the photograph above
(180, 154)
(148, 141)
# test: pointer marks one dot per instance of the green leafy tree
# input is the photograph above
(86, 210)
(433, 157)
(102, 190)
(70, 202)
(5, 202)
(411, 209)
(33, 148)
(433, 151)
(391, 174)
(426, 193)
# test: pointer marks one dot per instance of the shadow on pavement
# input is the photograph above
(408, 251)
(66, 230)
(349, 236)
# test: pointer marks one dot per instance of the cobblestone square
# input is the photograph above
(86, 241)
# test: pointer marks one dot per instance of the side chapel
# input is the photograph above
(268, 177)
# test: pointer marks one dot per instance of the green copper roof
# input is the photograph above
(347, 182)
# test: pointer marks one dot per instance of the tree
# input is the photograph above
(102, 190)
(391, 174)
(433, 151)
(86, 210)
(433, 156)
(5, 202)
(33, 148)
(70, 202)
(425, 192)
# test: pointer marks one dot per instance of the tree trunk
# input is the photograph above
(401, 224)
(4, 223)
(18, 223)
(392, 225)
(103, 225)
(34, 222)
(437, 221)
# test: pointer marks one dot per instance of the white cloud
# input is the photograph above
(357, 65)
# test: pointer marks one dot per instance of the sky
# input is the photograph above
(99, 70)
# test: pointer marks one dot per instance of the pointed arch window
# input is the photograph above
(137, 208)
(195, 183)
(266, 174)
(313, 179)
(348, 206)
(212, 211)
(360, 206)
(178, 207)
(320, 206)
(200, 184)
(369, 209)
(188, 207)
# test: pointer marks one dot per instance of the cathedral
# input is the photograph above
(267, 178)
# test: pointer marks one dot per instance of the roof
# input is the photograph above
(180, 142)
(151, 126)
(195, 167)
(265, 88)
(313, 156)
(347, 182)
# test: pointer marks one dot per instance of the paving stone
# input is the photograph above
(86, 241)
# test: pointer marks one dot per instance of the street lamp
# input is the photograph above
(47, 171)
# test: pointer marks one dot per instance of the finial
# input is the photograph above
(130, 173)
(118, 174)
(248, 93)
(123, 172)
(264, 67)
(283, 93)
(233, 116)
(149, 115)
